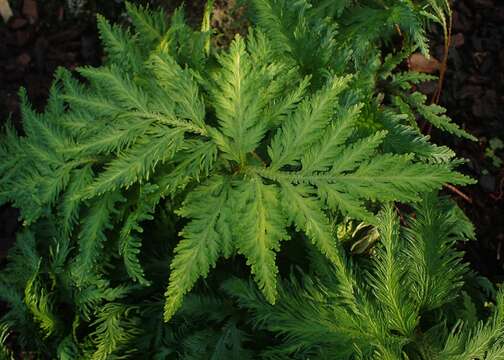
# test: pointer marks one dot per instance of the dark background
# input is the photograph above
(43, 35)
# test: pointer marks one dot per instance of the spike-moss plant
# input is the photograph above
(227, 151)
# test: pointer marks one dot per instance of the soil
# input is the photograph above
(39, 38)
(473, 94)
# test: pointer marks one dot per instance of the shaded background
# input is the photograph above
(43, 35)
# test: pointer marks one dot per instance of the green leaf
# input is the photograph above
(181, 88)
(129, 243)
(438, 270)
(435, 114)
(262, 228)
(150, 25)
(239, 100)
(303, 128)
(92, 235)
(389, 278)
(306, 214)
(138, 162)
(118, 85)
(118, 44)
(206, 237)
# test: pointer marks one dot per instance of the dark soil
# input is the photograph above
(474, 96)
(32, 47)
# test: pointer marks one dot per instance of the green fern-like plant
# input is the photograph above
(393, 307)
(143, 174)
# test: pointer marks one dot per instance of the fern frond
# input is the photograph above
(138, 162)
(150, 25)
(129, 243)
(239, 100)
(113, 137)
(195, 163)
(438, 267)
(182, 89)
(118, 44)
(70, 204)
(40, 304)
(5, 353)
(85, 102)
(389, 279)
(435, 114)
(484, 341)
(92, 234)
(115, 327)
(205, 238)
(298, 133)
(306, 215)
(404, 139)
(117, 85)
(262, 228)
(320, 156)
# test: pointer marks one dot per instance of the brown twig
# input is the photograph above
(459, 193)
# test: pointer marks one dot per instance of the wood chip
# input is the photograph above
(418, 62)
(5, 10)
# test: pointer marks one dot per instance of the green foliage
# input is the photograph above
(179, 164)
(391, 315)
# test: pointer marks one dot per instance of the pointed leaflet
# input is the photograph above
(352, 155)
(321, 155)
(435, 114)
(118, 86)
(129, 243)
(395, 178)
(205, 238)
(115, 325)
(337, 199)
(262, 228)
(119, 45)
(113, 137)
(83, 100)
(239, 98)
(304, 127)
(306, 213)
(404, 139)
(70, 204)
(438, 270)
(92, 234)
(150, 25)
(181, 88)
(40, 304)
(389, 280)
(195, 163)
(136, 164)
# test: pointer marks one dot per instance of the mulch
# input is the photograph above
(35, 43)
